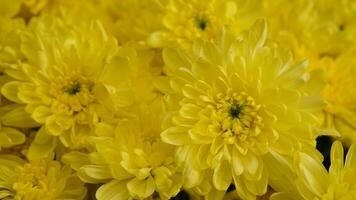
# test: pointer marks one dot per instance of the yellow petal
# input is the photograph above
(52, 126)
(123, 97)
(41, 113)
(19, 118)
(285, 144)
(250, 162)
(118, 172)
(237, 164)
(190, 111)
(76, 159)
(42, 146)
(10, 9)
(176, 135)
(284, 196)
(5, 193)
(97, 172)
(313, 174)
(118, 66)
(192, 177)
(175, 59)
(222, 177)
(141, 188)
(336, 158)
(312, 103)
(10, 91)
(162, 83)
(257, 186)
(27, 94)
(242, 189)
(205, 71)
(114, 190)
(158, 39)
(215, 194)
(258, 34)
(15, 136)
(162, 179)
(351, 157)
(191, 92)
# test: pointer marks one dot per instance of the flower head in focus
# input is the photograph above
(234, 102)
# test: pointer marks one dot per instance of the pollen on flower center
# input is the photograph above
(237, 116)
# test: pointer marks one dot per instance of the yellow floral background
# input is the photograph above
(177, 99)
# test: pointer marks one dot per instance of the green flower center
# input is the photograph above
(237, 117)
(235, 110)
(201, 23)
(73, 89)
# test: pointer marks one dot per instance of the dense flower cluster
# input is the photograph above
(177, 99)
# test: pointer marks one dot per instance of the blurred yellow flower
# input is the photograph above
(315, 182)
(133, 20)
(185, 20)
(176, 99)
(40, 179)
(340, 94)
(312, 29)
(324, 33)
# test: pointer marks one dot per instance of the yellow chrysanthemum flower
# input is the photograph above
(131, 160)
(187, 20)
(235, 102)
(59, 80)
(69, 77)
(315, 182)
(41, 179)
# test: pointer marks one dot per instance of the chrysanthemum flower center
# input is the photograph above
(204, 23)
(71, 94)
(237, 116)
(73, 89)
(235, 110)
(194, 20)
(32, 181)
(201, 22)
